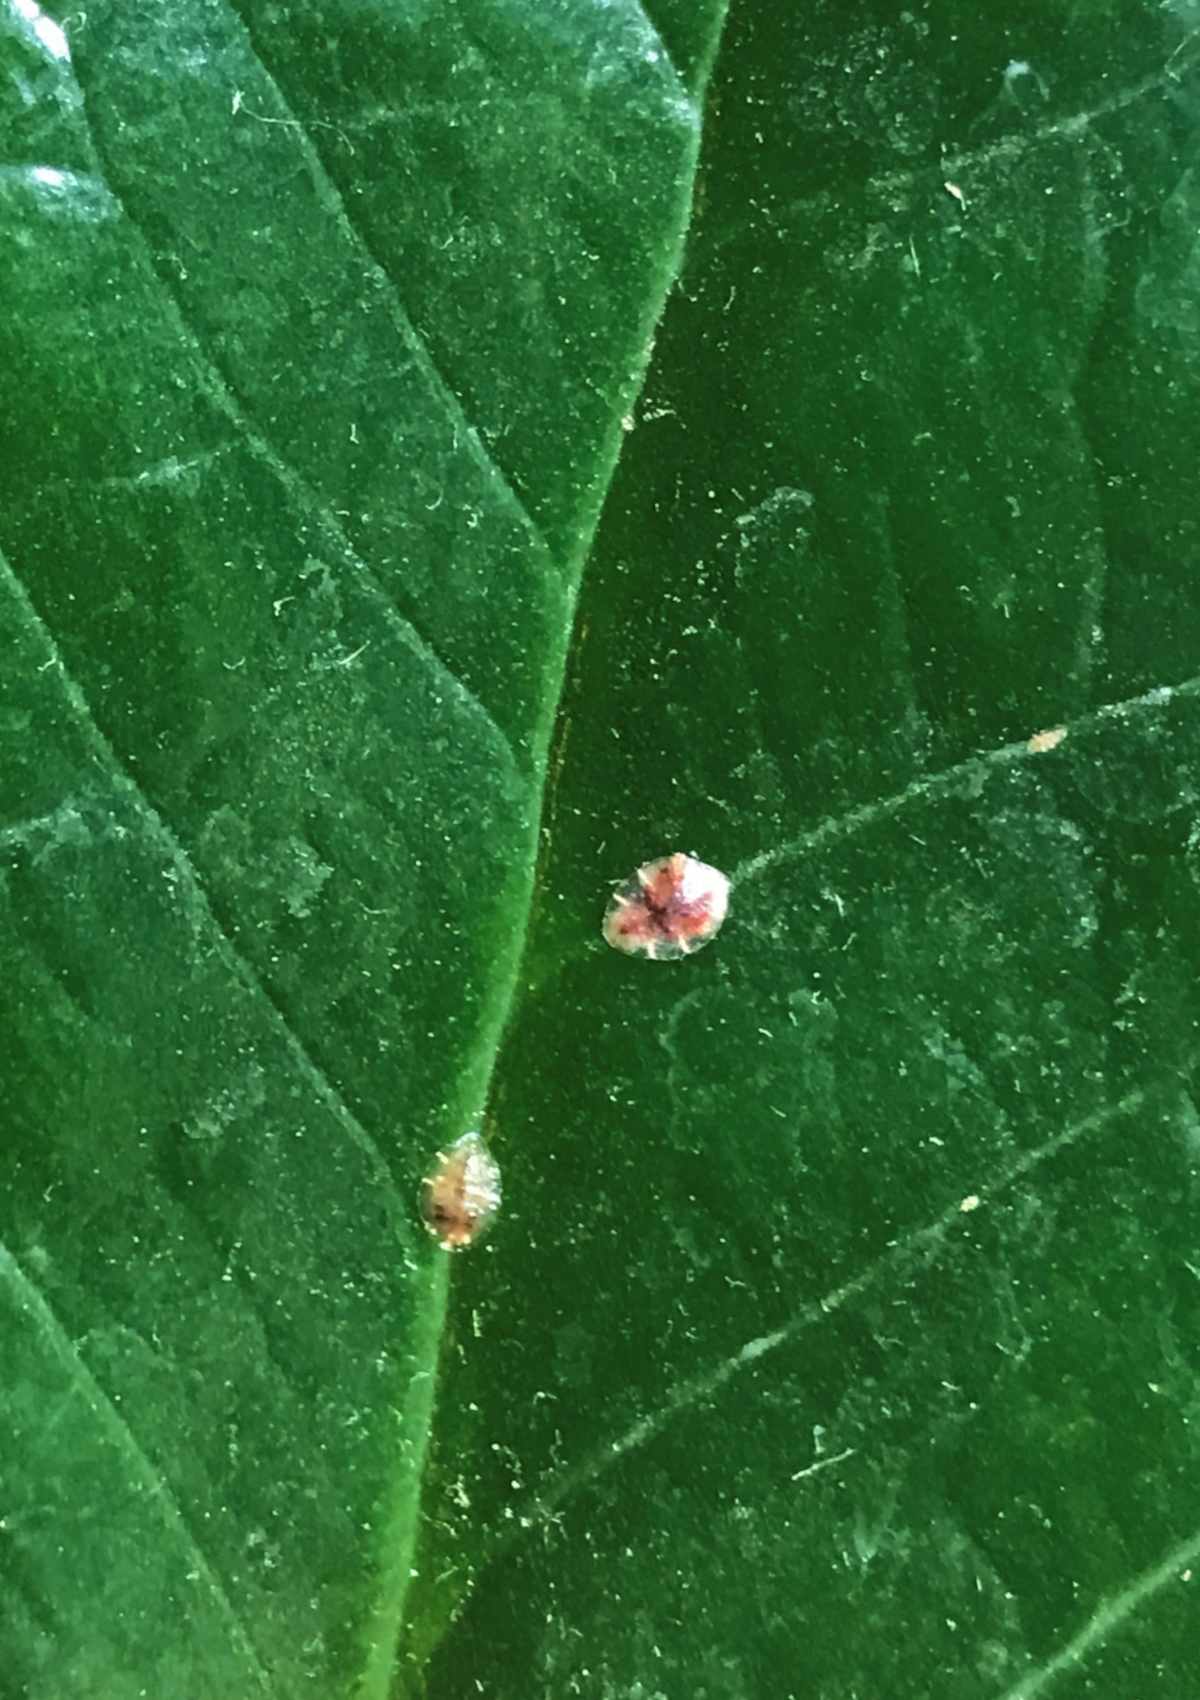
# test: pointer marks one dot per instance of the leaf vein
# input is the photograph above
(923, 1241)
(223, 395)
(934, 787)
(658, 43)
(963, 160)
(69, 1353)
(193, 884)
(410, 331)
(1108, 1617)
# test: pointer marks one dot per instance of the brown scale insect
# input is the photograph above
(667, 909)
(461, 1195)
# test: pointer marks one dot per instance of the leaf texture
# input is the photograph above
(838, 1334)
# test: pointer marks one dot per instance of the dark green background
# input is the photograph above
(324, 342)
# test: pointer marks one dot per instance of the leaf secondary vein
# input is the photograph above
(1109, 1616)
(157, 1485)
(1009, 147)
(192, 883)
(656, 37)
(224, 398)
(409, 330)
(929, 1238)
(938, 785)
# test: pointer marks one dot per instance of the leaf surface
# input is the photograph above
(319, 328)
(841, 1337)
(838, 1335)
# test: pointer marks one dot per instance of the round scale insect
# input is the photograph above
(461, 1195)
(668, 909)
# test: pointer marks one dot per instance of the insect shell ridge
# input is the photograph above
(461, 1194)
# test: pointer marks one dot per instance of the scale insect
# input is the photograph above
(669, 908)
(461, 1194)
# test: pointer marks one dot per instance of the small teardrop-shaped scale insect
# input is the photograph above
(461, 1196)
(668, 909)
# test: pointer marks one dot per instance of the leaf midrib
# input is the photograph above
(400, 1522)
(486, 1057)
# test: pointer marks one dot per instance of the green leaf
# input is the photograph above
(838, 1335)
(320, 328)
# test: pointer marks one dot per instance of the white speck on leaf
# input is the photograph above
(1050, 739)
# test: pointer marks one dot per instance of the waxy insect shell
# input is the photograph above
(668, 909)
(461, 1196)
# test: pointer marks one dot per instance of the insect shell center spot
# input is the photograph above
(667, 909)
